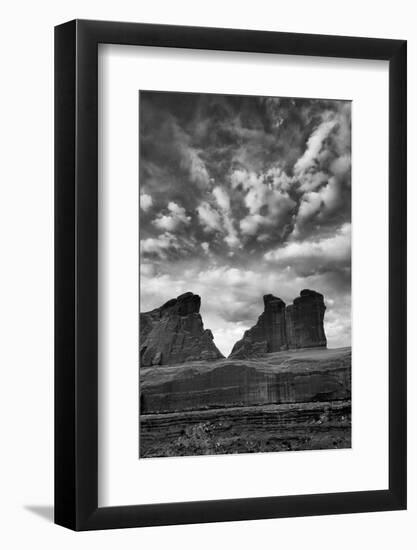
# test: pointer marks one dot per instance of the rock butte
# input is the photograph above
(270, 395)
(174, 333)
(282, 327)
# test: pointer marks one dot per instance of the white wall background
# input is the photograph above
(26, 273)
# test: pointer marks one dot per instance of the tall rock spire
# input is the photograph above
(299, 325)
(174, 333)
(269, 333)
(304, 320)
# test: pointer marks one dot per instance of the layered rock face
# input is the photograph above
(300, 376)
(174, 333)
(299, 325)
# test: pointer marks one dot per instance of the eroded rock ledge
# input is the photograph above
(295, 376)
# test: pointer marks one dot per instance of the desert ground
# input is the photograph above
(285, 401)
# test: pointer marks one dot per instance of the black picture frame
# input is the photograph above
(76, 272)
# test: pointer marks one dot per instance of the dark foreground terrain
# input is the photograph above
(292, 400)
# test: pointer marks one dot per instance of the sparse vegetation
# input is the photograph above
(305, 426)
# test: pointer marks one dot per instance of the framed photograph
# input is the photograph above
(230, 284)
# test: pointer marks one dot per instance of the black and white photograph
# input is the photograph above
(245, 274)
(209, 335)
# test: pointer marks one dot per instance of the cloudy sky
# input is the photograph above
(242, 196)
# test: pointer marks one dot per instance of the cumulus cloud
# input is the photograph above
(264, 193)
(145, 202)
(223, 201)
(159, 246)
(316, 206)
(222, 198)
(323, 173)
(231, 239)
(170, 222)
(340, 166)
(209, 217)
(314, 146)
(315, 256)
(219, 219)
(251, 223)
(195, 165)
(243, 196)
(189, 156)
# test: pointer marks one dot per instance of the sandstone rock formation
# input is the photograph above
(269, 333)
(296, 376)
(174, 333)
(299, 325)
(304, 320)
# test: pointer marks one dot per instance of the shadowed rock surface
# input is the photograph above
(269, 333)
(298, 376)
(174, 333)
(304, 321)
(299, 325)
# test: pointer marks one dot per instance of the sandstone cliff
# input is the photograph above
(296, 376)
(174, 333)
(299, 325)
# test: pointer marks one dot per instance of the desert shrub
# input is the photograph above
(197, 439)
